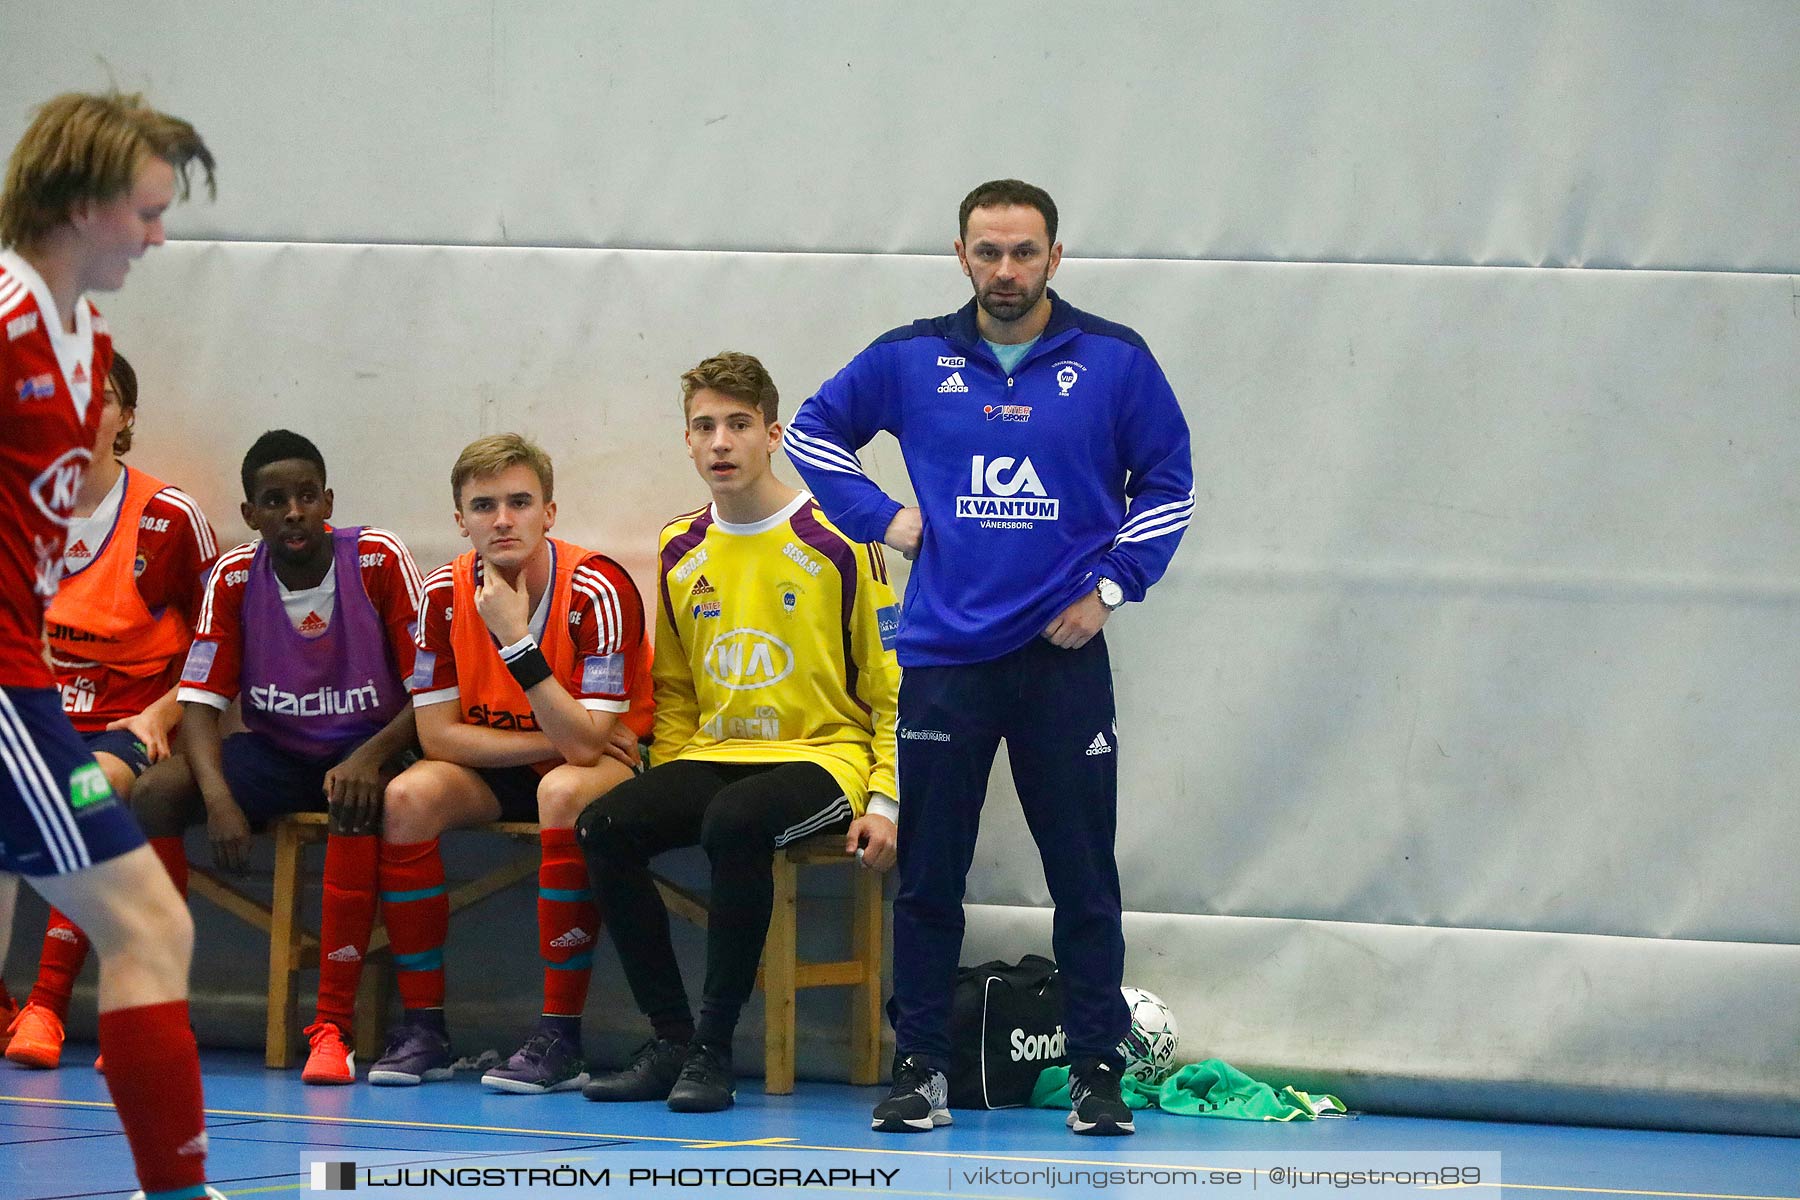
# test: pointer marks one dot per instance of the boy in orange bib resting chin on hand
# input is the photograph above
(532, 686)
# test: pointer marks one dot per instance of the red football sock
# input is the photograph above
(6, 1000)
(173, 855)
(568, 923)
(153, 1072)
(417, 913)
(59, 962)
(348, 918)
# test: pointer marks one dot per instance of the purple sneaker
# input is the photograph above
(547, 1062)
(415, 1054)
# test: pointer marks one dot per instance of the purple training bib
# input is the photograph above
(317, 697)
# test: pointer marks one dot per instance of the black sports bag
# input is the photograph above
(1005, 1027)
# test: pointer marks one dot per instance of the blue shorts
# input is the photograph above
(268, 781)
(122, 744)
(58, 814)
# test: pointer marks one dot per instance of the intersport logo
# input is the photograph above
(1006, 488)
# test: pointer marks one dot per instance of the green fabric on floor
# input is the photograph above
(1213, 1088)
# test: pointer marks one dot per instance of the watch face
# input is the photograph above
(1111, 594)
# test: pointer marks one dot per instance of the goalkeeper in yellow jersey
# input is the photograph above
(775, 691)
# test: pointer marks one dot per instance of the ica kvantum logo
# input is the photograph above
(1006, 487)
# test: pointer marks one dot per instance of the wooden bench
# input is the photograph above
(293, 948)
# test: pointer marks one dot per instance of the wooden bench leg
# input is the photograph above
(284, 947)
(865, 998)
(780, 952)
(372, 1000)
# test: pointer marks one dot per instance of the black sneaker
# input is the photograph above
(918, 1102)
(651, 1074)
(1095, 1105)
(706, 1083)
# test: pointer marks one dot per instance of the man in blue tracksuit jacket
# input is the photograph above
(1054, 478)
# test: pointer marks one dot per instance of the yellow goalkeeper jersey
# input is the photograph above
(774, 643)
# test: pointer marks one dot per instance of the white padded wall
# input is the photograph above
(1520, 131)
(1457, 742)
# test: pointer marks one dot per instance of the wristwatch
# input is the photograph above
(1111, 594)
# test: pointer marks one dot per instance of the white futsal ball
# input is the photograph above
(1149, 1048)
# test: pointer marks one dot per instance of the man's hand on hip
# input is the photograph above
(906, 531)
(1078, 623)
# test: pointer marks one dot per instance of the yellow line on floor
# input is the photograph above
(379, 1122)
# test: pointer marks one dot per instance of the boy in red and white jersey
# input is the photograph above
(85, 192)
(134, 574)
(298, 525)
(532, 687)
(134, 570)
(311, 628)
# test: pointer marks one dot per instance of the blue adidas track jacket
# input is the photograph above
(1032, 486)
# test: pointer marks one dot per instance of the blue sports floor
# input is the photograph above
(59, 1139)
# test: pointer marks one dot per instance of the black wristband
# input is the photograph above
(530, 668)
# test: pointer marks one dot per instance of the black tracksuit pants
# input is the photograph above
(1055, 709)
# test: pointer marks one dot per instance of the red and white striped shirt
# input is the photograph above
(50, 402)
(388, 575)
(606, 623)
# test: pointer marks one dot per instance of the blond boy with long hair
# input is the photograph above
(85, 193)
